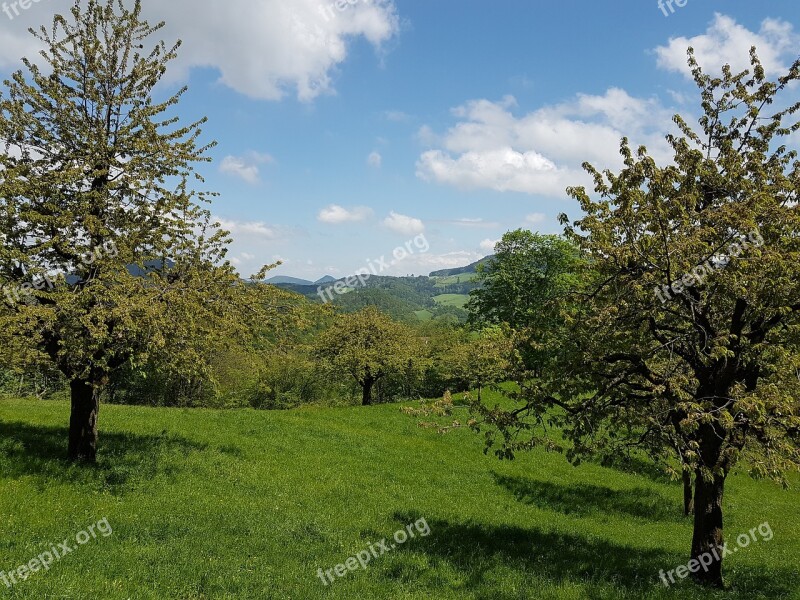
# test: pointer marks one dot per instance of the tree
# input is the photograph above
(367, 345)
(687, 330)
(108, 254)
(522, 286)
(486, 359)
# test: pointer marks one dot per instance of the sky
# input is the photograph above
(346, 132)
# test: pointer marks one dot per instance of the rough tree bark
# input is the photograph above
(367, 384)
(83, 421)
(707, 538)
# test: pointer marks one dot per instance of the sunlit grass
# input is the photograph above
(246, 504)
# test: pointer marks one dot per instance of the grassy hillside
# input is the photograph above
(247, 504)
(445, 280)
(457, 300)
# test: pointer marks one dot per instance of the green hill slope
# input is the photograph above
(246, 504)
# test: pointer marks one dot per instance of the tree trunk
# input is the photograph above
(707, 540)
(366, 388)
(83, 421)
(688, 498)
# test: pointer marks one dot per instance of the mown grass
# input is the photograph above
(454, 279)
(457, 300)
(246, 504)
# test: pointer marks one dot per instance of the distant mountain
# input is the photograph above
(326, 279)
(461, 270)
(283, 279)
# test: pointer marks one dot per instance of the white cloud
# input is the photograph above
(403, 224)
(479, 223)
(541, 152)
(375, 160)
(237, 228)
(335, 214)
(433, 262)
(246, 167)
(488, 245)
(262, 48)
(727, 42)
(535, 218)
(503, 169)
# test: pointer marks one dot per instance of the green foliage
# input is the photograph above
(525, 286)
(96, 193)
(482, 360)
(709, 368)
(384, 300)
(368, 346)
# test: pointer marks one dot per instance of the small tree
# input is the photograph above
(108, 255)
(367, 346)
(484, 360)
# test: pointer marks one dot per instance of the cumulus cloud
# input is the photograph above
(403, 224)
(255, 243)
(239, 228)
(433, 262)
(541, 152)
(375, 160)
(535, 218)
(488, 245)
(335, 214)
(727, 42)
(246, 167)
(264, 49)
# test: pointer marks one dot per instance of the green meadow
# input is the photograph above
(249, 504)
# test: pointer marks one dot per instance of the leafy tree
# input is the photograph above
(483, 360)
(367, 346)
(521, 287)
(687, 333)
(96, 197)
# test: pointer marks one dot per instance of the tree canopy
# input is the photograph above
(367, 346)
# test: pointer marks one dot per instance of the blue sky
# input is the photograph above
(344, 134)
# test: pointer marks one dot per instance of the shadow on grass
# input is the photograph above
(124, 459)
(585, 499)
(635, 465)
(484, 554)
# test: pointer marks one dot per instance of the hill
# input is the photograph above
(471, 268)
(403, 298)
(247, 504)
(284, 280)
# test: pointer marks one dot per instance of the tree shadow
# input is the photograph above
(605, 569)
(634, 465)
(582, 499)
(124, 459)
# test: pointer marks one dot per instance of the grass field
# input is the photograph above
(453, 279)
(457, 300)
(245, 504)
